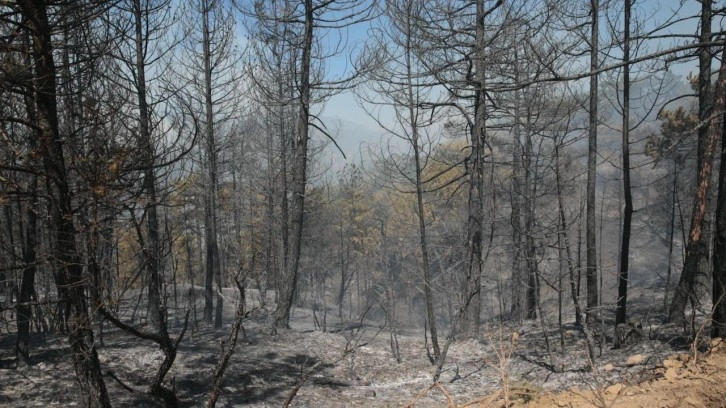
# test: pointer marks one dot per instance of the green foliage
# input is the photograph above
(677, 127)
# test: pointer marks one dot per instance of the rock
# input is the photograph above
(608, 367)
(614, 389)
(671, 374)
(717, 344)
(369, 394)
(635, 360)
(684, 357)
(692, 402)
(562, 403)
(672, 363)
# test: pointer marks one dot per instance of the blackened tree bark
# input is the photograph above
(27, 286)
(530, 197)
(565, 239)
(621, 314)
(284, 221)
(475, 220)
(65, 250)
(719, 259)
(671, 236)
(414, 138)
(210, 65)
(697, 247)
(590, 224)
(30, 238)
(423, 241)
(151, 246)
(518, 306)
(299, 178)
(213, 270)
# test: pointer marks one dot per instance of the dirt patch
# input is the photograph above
(678, 382)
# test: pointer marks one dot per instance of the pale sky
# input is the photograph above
(355, 130)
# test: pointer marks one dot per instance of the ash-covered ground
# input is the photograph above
(350, 364)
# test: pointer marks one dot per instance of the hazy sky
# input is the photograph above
(355, 130)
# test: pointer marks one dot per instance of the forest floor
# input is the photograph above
(352, 364)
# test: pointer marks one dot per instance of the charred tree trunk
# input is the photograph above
(415, 140)
(151, 246)
(628, 210)
(530, 187)
(27, 285)
(591, 226)
(284, 200)
(518, 308)
(697, 246)
(719, 259)
(719, 267)
(65, 249)
(30, 240)
(344, 275)
(565, 239)
(671, 236)
(423, 243)
(214, 270)
(299, 178)
(475, 220)
(270, 221)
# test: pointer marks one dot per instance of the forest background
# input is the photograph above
(436, 164)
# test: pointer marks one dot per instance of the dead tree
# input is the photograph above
(306, 17)
(227, 348)
(52, 150)
(628, 194)
(590, 224)
(697, 247)
(167, 345)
